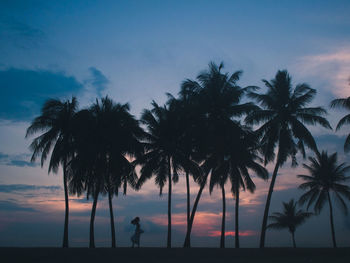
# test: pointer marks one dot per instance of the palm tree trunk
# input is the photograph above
(267, 206)
(293, 238)
(92, 219)
(222, 240)
(188, 197)
(331, 219)
(187, 242)
(110, 196)
(169, 206)
(236, 218)
(65, 231)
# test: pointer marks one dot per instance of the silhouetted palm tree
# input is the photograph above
(163, 157)
(55, 122)
(237, 154)
(343, 103)
(326, 177)
(283, 117)
(216, 96)
(290, 218)
(106, 136)
(187, 112)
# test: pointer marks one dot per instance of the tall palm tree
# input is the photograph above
(55, 123)
(89, 162)
(107, 134)
(326, 177)
(283, 115)
(163, 157)
(237, 154)
(290, 218)
(187, 124)
(216, 96)
(343, 103)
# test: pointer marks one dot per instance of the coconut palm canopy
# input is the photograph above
(200, 62)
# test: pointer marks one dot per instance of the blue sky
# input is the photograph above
(136, 51)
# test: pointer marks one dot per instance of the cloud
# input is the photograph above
(24, 90)
(9, 188)
(97, 83)
(14, 207)
(333, 67)
(19, 34)
(20, 160)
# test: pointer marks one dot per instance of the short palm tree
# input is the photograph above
(326, 176)
(283, 117)
(290, 218)
(343, 103)
(55, 122)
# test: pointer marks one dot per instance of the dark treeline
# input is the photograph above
(205, 132)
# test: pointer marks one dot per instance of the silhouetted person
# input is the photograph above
(135, 239)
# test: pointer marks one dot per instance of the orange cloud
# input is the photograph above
(244, 233)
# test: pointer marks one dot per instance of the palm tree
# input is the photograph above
(187, 125)
(163, 157)
(107, 134)
(283, 116)
(290, 218)
(237, 154)
(55, 122)
(216, 96)
(326, 177)
(343, 103)
(89, 162)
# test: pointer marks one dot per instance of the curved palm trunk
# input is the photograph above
(293, 239)
(92, 219)
(331, 219)
(110, 196)
(66, 200)
(188, 197)
(236, 219)
(267, 206)
(222, 240)
(187, 242)
(169, 206)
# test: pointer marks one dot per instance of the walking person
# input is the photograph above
(135, 238)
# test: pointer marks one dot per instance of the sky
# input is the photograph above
(136, 52)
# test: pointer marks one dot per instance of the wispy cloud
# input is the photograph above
(20, 160)
(20, 34)
(98, 80)
(333, 67)
(8, 188)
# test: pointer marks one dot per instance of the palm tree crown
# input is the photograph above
(345, 104)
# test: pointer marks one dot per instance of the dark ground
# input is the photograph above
(203, 255)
